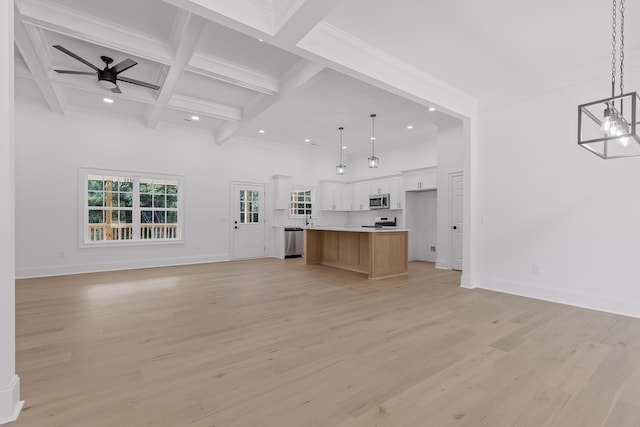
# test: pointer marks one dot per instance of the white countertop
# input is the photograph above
(356, 229)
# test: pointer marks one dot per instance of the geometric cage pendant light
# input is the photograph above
(373, 161)
(608, 127)
(340, 168)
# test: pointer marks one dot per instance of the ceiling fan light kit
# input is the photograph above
(608, 127)
(108, 77)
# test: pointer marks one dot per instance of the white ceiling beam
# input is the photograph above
(205, 108)
(238, 75)
(240, 15)
(29, 43)
(71, 23)
(295, 18)
(186, 32)
(295, 78)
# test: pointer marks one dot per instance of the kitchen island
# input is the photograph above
(376, 252)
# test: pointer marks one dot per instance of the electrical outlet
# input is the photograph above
(433, 248)
(536, 269)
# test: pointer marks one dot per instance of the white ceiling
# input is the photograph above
(208, 60)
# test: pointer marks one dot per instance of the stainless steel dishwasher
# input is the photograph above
(293, 242)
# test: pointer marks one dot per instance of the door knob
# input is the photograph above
(235, 226)
(454, 227)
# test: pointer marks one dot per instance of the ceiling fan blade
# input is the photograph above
(116, 90)
(73, 55)
(86, 73)
(123, 65)
(138, 82)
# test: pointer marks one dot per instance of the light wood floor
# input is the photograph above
(276, 343)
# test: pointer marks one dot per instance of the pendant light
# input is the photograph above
(341, 169)
(373, 160)
(607, 127)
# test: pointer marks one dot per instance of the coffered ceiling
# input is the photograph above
(243, 66)
(232, 81)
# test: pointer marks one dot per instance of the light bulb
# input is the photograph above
(624, 141)
(606, 124)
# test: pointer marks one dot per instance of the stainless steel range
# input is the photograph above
(383, 222)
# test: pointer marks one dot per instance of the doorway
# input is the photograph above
(248, 221)
(422, 221)
(456, 187)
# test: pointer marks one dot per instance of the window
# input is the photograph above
(124, 207)
(249, 206)
(301, 204)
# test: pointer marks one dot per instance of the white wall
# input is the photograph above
(421, 220)
(450, 160)
(393, 159)
(545, 201)
(51, 147)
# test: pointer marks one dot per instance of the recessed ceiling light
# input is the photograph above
(260, 40)
(410, 127)
(261, 131)
(432, 109)
(344, 147)
(195, 118)
(108, 100)
(307, 140)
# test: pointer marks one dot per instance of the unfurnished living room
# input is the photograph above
(304, 213)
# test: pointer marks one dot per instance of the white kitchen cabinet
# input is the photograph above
(361, 196)
(379, 186)
(281, 191)
(421, 179)
(329, 195)
(346, 197)
(396, 192)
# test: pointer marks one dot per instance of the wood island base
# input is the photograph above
(376, 253)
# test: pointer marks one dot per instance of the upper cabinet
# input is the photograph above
(335, 196)
(379, 186)
(361, 192)
(346, 197)
(421, 179)
(396, 192)
(281, 191)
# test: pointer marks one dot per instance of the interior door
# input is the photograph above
(457, 230)
(248, 221)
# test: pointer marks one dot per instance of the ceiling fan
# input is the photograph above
(109, 76)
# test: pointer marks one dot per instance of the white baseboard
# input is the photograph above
(591, 301)
(442, 264)
(61, 270)
(465, 282)
(10, 403)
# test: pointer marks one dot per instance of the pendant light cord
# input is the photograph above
(341, 129)
(621, 47)
(373, 135)
(613, 49)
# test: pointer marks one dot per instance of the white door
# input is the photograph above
(248, 221)
(457, 192)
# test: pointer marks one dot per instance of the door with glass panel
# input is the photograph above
(248, 221)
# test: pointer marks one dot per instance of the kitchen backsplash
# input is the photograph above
(368, 217)
(330, 218)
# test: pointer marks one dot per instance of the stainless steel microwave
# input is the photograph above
(379, 201)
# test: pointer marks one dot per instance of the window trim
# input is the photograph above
(313, 201)
(83, 240)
